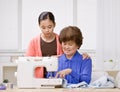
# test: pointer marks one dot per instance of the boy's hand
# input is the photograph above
(62, 73)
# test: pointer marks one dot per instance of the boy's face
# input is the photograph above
(69, 48)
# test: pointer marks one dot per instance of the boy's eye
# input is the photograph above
(64, 43)
(70, 44)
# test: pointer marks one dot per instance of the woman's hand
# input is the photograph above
(62, 73)
(85, 56)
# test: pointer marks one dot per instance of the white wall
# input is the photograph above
(108, 30)
(8, 25)
(19, 21)
(62, 10)
(86, 20)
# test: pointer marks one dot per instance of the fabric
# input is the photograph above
(118, 80)
(103, 82)
(78, 85)
(34, 48)
(81, 69)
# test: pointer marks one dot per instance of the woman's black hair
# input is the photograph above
(46, 15)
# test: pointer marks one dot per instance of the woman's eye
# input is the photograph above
(70, 44)
(43, 27)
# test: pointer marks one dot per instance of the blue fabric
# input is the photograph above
(81, 69)
(50, 74)
(103, 82)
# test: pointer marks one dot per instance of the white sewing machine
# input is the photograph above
(25, 72)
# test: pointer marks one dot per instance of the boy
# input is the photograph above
(71, 65)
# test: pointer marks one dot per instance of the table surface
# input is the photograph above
(61, 90)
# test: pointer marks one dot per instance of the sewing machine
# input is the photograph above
(25, 72)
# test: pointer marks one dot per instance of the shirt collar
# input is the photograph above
(73, 58)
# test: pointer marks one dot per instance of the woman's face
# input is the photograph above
(69, 48)
(47, 27)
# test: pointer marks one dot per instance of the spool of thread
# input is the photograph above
(9, 85)
(2, 87)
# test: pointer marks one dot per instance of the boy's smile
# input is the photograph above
(69, 48)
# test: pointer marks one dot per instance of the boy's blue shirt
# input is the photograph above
(81, 69)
